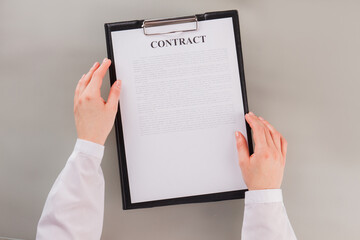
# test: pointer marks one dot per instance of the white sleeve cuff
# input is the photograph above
(90, 148)
(263, 196)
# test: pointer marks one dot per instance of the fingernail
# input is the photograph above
(95, 64)
(118, 83)
(105, 59)
(251, 113)
(237, 134)
(261, 118)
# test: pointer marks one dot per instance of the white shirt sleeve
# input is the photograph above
(74, 208)
(265, 216)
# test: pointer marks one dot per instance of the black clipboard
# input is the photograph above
(146, 24)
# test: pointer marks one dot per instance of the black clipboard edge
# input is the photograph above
(214, 197)
(126, 199)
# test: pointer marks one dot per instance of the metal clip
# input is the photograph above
(147, 24)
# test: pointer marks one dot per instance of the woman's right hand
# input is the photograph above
(265, 168)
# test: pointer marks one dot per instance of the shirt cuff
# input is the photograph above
(263, 196)
(90, 148)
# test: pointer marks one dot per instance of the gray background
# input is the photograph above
(302, 73)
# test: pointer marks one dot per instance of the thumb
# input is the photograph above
(242, 148)
(114, 94)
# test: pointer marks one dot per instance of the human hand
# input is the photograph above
(265, 168)
(94, 117)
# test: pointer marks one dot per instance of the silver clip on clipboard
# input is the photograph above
(150, 26)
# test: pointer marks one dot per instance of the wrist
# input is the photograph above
(263, 183)
(92, 139)
(263, 188)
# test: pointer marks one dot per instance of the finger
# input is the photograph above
(96, 80)
(258, 130)
(76, 95)
(242, 149)
(84, 83)
(274, 134)
(283, 147)
(268, 137)
(114, 95)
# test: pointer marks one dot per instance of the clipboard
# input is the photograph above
(152, 28)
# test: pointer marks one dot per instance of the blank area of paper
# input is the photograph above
(180, 107)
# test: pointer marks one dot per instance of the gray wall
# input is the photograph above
(302, 73)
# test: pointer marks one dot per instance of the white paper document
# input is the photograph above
(181, 104)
